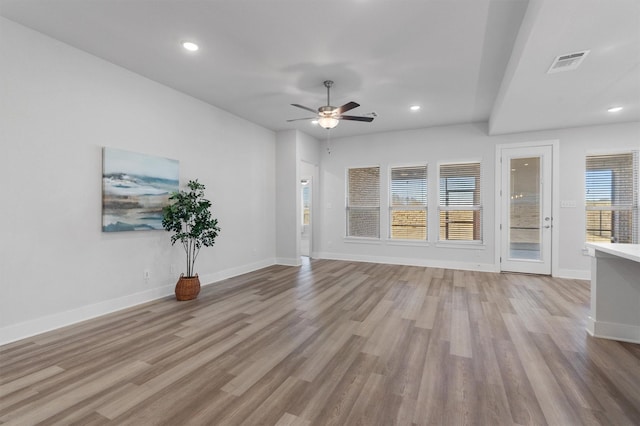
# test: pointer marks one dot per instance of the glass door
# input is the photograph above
(526, 222)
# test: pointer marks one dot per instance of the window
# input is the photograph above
(408, 206)
(460, 208)
(306, 201)
(363, 202)
(611, 198)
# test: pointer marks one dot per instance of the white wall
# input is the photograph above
(575, 144)
(308, 149)
(459, 143)
(309, 167)
(295, 151)
(58, 107)
(438, 144)
(287, 223)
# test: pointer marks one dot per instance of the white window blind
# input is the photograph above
(611, 198)
(363, 202)
(460, 202)
(408, 204)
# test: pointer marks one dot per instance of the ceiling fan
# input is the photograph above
(329, 116)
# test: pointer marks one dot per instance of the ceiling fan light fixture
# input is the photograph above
(328, 122)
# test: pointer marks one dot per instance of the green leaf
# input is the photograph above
(190, 219)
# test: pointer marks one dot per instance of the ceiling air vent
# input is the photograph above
(567, 62)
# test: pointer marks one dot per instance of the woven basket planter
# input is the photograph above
(187, 288)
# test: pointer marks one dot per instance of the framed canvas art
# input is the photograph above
(135, 188)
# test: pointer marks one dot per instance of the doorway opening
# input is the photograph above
(305, 217)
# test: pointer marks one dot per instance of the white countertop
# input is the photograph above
(627, 251)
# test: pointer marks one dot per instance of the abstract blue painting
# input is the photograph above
(135, 188)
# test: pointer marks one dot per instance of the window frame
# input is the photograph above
(473, 208)
(348, 207)
(392, 207)
(633, 206)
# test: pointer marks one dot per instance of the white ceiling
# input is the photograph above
(461, 60)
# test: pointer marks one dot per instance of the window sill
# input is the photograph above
(362, 240)
(471, 245)
(414, 243)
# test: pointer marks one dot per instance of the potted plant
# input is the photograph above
(189, 218)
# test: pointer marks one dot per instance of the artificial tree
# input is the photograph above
(189, 218)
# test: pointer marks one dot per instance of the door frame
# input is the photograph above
(555, 198)
(311, 171)
(544, 225)
(309, 180)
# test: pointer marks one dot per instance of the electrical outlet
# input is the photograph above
(172, 269)
(147, 274)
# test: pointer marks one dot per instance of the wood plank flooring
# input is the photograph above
(333, 343)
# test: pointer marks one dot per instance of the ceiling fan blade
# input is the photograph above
(356, 118)
(346, 107)
(304, 107)
(299, 119)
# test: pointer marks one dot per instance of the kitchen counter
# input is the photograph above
(615, 291)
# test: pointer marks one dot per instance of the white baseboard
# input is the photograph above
(591, 326)
(613, 331)
(573, 274)
(430, 263)
(287, 261)
(207, 279)
(40, 325)
(576, 274)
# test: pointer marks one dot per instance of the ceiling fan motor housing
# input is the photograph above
(327, 110)
(329, 116)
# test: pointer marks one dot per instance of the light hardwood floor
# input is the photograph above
(333, 343)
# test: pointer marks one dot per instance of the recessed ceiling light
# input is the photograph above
(314, 122)
(415, 107)
(615, 109)
(190, 46)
